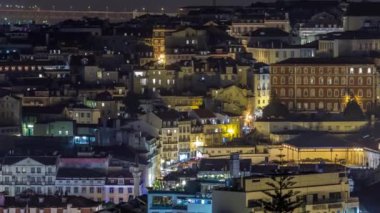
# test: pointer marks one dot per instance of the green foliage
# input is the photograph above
(275, 109)
(353, 111)
(282, 199)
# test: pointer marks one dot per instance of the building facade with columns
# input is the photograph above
(315, 84)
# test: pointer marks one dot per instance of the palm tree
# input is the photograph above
(282, 198)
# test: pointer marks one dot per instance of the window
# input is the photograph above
(129, 190)
(291, 80)
(368, 93)
(111, 190)
(360, 70)
(369, 71)
(305, 93)
(282, 80)
(329, 80)
(274, 80)
(76, 190)
(320, 92)
(360, 81)
(291, 92)
(336, 80)
(38, 170)
(351, 81)
(305, 80)
(282, 92)
(320, 105)
(360, 93)
(312, 92)
(369, 81)
(298, 93)
(84, 190)
(320, 80)
(343, 81)
(121, 190)
(312, 80)
(329, 93)
(99, 190)
(91, 190)
(336, 93)
(351, 70)
(298, 80)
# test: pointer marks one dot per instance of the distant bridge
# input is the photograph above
(14, 16)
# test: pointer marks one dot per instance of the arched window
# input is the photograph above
(329, 93)
(312, 80)
(320, 92)
(298, 80)
(351, 81)
(342, 92)
(360, 93)
(321, 105)
(282, 80)
(305, 80)
(299, 92)
(336, 80)
(321, 80)
(291, 92)
(274, 80)
(336, 93)
(312, 92)
(282, 92)
(343, 81)
(369, 81)
(360, 81)
(305, 93)
(291, 80)
(329, 80)
(368, 93)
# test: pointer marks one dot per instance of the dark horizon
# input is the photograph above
(123, 5)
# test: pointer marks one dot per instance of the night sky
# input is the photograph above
(169, 5)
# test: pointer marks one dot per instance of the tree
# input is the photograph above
(282, 198)
(353, 111)
(132, 104)
(275, 108)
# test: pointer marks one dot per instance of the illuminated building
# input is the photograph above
(166, 123)
(36, 173)
(349, 43)
(317, 147)
(261, 88)
(279, 131)
(159, 41)
(326, 191)
(233, 99)
(271, 52)
(153, 78)
(312, 84)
